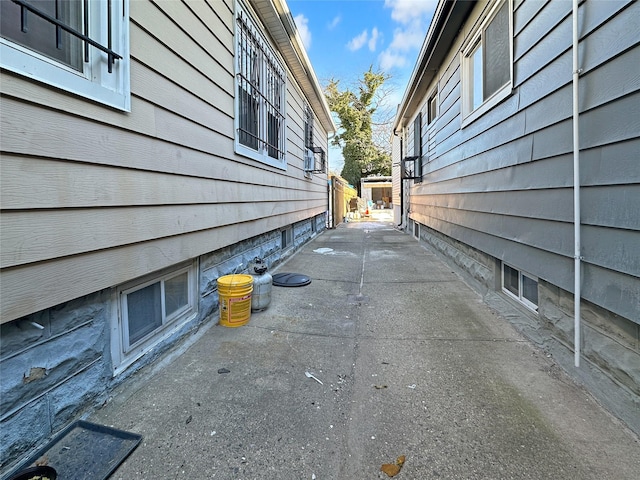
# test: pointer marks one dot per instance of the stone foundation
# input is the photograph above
(610, 349)
(56, 364)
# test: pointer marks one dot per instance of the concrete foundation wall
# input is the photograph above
(56, 364)
(610, 362)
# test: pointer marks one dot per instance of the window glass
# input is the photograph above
(417, 136)
(176, 292)
(248, 87)
(260, 102)
(308, 128)
(476, 77)
(40, 34)
(286, 238)
(47, 53)
(530, 289)
(511, 280)
(486, 72)
(144, 312)
(433, 108)
(497, 58)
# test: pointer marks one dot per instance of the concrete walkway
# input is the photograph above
(411, 363)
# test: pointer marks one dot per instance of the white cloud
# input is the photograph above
(375, 35)
(334, 23)
(356, 43)
(407, 39)
(302, 23)
(390, 60)
(371, 41)
(412, 17)
(406, 11)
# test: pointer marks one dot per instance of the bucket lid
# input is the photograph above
(235, 280)
(291, 280)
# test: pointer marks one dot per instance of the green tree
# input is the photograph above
(361, 120)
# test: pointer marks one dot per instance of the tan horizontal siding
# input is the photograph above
(105, 186)
(40, 285)
(93, 197)
(43, 235)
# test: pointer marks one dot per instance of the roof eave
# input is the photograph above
(279, 22)
(447, 22)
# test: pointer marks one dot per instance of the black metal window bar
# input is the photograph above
(411, 168)
(320, 162)
(112, 56)
(308, 127)
(261, 118)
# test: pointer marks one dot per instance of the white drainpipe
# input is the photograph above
(576, 188)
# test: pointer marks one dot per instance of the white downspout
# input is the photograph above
(576, 188)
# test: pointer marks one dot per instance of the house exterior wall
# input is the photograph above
(500, 188)
(396, 181)
(377, 189)
(121, 194)
(93, 198)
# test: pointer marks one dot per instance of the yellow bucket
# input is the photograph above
(234, 299)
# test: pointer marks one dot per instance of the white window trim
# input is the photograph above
(96, 83)
(308, 155)
(468, 113)
(520, 298)
(123, 357)
(433, 95)
(260, 155)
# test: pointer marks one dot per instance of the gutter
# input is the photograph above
(296, 49)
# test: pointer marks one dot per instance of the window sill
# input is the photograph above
(489, 104)
(34, 66)
(266, 159)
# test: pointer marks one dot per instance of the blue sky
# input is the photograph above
(344, 37)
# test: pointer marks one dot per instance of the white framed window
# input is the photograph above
(309, 158)
(260, 94)
(148, 308)
(487, 62)
(417, 148)
(520, 286)
(79, 46)
(432, 107)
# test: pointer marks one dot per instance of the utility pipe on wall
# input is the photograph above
(576, 188)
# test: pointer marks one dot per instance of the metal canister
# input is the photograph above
(262, 282)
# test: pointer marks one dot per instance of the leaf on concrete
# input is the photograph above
(393, 469)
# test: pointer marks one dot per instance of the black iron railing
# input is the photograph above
(319, 165)
(411, 168)
(112, 56)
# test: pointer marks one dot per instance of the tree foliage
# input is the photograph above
(363, 126)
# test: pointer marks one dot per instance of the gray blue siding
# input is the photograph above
(504, 183)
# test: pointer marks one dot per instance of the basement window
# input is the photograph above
(521, 286)
(147, 309)
(286, 238)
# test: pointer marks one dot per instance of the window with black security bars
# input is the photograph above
(57, 29)
(261, 88)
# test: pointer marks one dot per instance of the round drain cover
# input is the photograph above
(290, 280)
